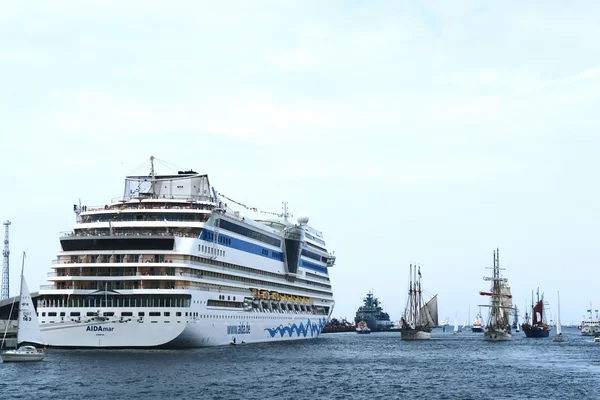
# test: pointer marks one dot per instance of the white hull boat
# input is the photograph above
(28, 330)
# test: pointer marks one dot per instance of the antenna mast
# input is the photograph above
(285, 210)
(152, 175)
(5, 267)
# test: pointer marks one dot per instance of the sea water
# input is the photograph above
(335, 366)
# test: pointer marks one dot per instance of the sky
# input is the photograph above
(410, 132)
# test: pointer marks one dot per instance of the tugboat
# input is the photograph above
(419, 317)
(362, 328)
(477, 324)
(537, 328)
(372, 313)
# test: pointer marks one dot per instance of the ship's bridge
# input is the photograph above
(187, 185)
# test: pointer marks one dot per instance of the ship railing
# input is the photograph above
(190, 198)
(159, 232)
(176, 287)
(86, 210)
(65, 275)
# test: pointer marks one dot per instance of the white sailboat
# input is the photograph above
(558, 337)
(455, 330)
(28, 330)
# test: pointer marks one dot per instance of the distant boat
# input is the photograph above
(455, 331)
(372, 313)
(419, 317)
(537, 328)
(477, 325)
(590, 326)
(28, 330)
(362, 328)
(498, 326)
(515, 324)
(558, 337)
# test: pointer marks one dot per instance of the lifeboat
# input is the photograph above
(274, 295)
(264, 294)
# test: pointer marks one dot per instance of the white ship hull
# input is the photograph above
(496, 336)
(413, 334)
(590, 331)
(207, 327)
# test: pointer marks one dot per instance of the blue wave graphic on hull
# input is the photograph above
(313, 328)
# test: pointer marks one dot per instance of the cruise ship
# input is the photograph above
(170, 264)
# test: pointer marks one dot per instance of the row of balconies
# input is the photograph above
(118, 258)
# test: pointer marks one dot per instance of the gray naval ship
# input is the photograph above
(371, 312)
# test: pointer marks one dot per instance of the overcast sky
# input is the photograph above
(429, 133)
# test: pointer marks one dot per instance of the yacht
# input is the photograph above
(170, 264)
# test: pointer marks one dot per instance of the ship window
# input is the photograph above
(178, 314)
(141, 314)
(126, 314)
(154, 314)
(91, 314)
(108, 314)
(52, 314)
(75, 314)
(43, 314)
(62, 314)
(167, 314)
(242, 230)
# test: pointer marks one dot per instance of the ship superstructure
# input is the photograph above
(372, 313)
(170, 264)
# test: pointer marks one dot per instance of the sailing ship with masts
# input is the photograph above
(419, 317)
(498, 325)
(537, 327)
(515, 324)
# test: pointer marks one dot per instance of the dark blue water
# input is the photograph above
(336, 366)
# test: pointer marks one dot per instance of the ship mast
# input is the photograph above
(410, 295)
(152, 176)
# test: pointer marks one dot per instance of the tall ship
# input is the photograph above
(169, 264)
(537, 327)
(515, 324)
(419, 317)
(371, 312)
(591, 325)
(498, 325)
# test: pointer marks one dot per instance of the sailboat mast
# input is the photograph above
(418, 300)
(20, 299)
(558, 317)
(410, 296)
